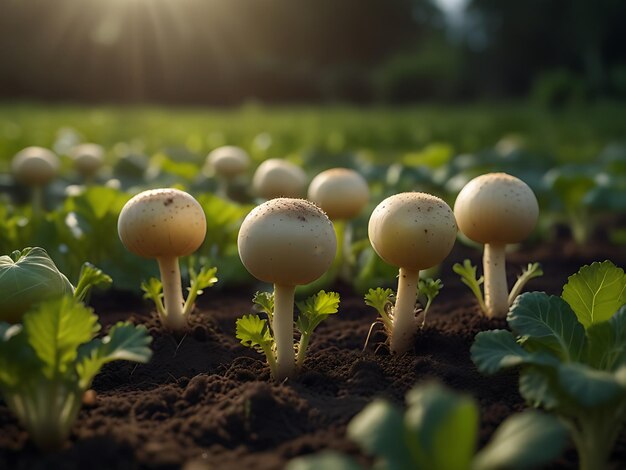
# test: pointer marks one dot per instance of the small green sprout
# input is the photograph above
(89, 277)
(255, 332)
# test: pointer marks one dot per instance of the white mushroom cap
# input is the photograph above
(340, 192)
(228, 161)
(162, 223)
(287, 242)
(412, 230)
(279, 178)
(88, 158)
(496, 208)
(35, 166)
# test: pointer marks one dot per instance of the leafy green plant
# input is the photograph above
(572, 354)
(255, 332)
(420, 439)
(49, 361)
(383, 300)
(467, 272)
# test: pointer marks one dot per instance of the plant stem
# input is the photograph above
(594, 437)
(172, 293)
(496, 290)
(404, 323)
(37, 202)
(302, 347)
(283, 330)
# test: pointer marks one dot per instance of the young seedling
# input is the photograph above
(572, 354)
(257, 333)
(286, 242)
(279, 178)
(228, 162)
(49, 362)
(165, 224)
(419, 438)
(412, 231)
(496, 209)
(35, 167)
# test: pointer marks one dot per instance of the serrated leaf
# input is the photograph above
(89, 277)
(253, 332)
(382, 300)
(264, 301)
(596, 292)
(589, 387)
(430, 288)
(497, 349)
(537, 386)
(56, 328)
(434, 414)
(125, 341)
(467, 272)
(524, 441)
(548, 321)
(606, 345)
(315, 310)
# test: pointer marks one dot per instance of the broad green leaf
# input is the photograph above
(547, 321)
(537, 386)
(606, 345)
(315, 310)
(56, 328)
(589, 387)
(526, 440)
(97, 200)
(17, 359)
(325, 460)
(434, 415)
(379, 430)
(497, 349)
(89, 277)
(596, 292)
(125, 341)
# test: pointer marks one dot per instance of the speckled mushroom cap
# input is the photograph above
(162, 223)
(412, 230)
(35, 166)
(88, 158)
(287, 242)
(340, 192)
(228, 161)
(279, 178)
(496, 208)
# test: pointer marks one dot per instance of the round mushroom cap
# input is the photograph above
(35, 166)
(279, 178)
(340, 192)
(88, 158)
(287, 242)
(162, 223)
(412, 230)
(496, 208)
(228, 161)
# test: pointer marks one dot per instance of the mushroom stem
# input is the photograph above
(496, 290)
(37, 202)
(404, 323)
(172, 293)
(283, 330)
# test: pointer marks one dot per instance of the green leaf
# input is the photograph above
(253, 332)
(17, 359)
(125, 341)
(204, 279)
(606, 344)
(153, 290)
(539, 387)
(596, 292)
(497, 349)
(532, 271)
(468, 277)
(89, 277)
(589, 387)
(547, 321)
(434, 415)
(315, 310)
(524, 441)
(56, 328)
(382, 300)
(427, 290)
(264, 302)
(325, 460)
(379, 430)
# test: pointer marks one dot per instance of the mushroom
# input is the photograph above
(496, 209)
(35, 167)
(286, 242)
(88, 159)
(279, 178)
(164, 224)
(228, 162)
(413, 231)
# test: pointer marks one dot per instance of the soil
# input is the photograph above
(206, 402)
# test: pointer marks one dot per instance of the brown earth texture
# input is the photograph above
(204, 399)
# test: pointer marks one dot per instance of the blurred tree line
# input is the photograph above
(228, 51)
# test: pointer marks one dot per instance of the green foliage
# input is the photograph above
(313, 311)
(420, 438)
(89, 277)
(572, 354)
(532, 271)
(50, 361)
(153, 290)
(254, 332)
(383, 301)
(427, 290)
(467, 271)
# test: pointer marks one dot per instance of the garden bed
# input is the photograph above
(206, 399)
